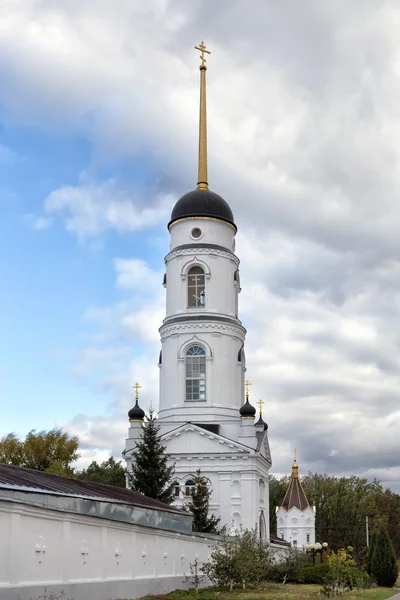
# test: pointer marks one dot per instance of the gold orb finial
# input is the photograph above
(295, 467)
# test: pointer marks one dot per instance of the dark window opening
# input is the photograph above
(212, 427)
(189, 487)
(196, 287)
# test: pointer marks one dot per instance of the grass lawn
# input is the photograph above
(275, 592)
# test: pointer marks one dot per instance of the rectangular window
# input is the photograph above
(294, 543)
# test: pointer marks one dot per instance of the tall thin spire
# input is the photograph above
(202, 183)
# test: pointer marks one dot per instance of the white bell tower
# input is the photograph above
(205, 421)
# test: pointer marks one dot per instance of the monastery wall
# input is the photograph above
(89, 558)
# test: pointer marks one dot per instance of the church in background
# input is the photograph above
(206, 417)
(295, 518)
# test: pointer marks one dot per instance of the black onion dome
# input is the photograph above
(202, 203)
(247, 410)
(136, 413)
(262, 422)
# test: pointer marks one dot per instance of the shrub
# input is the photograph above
(344, 574)
(241, 561)
(290, 569)
(358, 579)
(315, 574)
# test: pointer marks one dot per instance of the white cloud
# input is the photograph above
(135, 274)
(94, 208)
(39, 223)
(88, 455)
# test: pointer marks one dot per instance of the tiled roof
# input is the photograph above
(295, 495)
(30, 480)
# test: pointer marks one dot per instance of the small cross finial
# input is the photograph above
(246, 386)
(260, 404)
(203, 51)
(137, 387)
(295, 455)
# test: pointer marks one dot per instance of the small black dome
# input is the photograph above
(136, 413)
(202, 203)
(247, 410)
(262, 422)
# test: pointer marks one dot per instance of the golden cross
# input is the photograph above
(295, 455)
(260, 404)
(246, 385)
(203, 50)
(137, 387)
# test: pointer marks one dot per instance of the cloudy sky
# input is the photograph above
(98, 139)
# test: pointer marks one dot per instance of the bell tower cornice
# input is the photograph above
(204, 249)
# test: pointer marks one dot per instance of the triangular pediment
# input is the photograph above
(265, 450)
(191, 439)
(263, 446)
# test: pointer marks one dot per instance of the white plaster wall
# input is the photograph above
(295, 524)
(223, 371)
(89, 557)
(214, 232)
(220, 289)
(235, 485)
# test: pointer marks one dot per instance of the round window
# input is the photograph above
(196, 232)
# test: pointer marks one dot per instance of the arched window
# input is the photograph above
(263, 526)
(189, 487)
(196, 287)
(242, 356)
(177, 489)
(195, 374)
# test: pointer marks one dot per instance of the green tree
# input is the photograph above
(277, 491)
(57, 468)
(384, 564)
(199, 507)
(371, 549)
(385, 508)
(11, 450)
(151, 474)
(342, 505)
(109, 471)
(42, 450)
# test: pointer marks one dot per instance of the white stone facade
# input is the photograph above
(296, 526)
(207, 432)
(89, 558)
